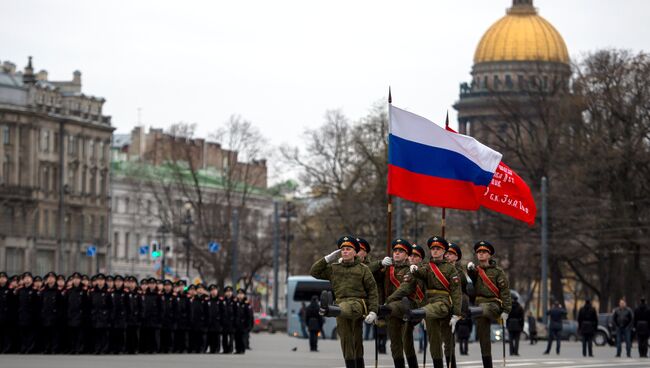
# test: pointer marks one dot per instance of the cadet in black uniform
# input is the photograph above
(76, 301)
(197, 319)
(182, 319)
(228, 320)
(134, 313)
(50, 301)
(168, 318)
(243, 321)
(6, 295)
(215, 310)
(119, 300)
(100, 312)
(27, 313)
(151, 307)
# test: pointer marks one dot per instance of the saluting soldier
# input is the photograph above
(182, 318)
(76, 301)
(27, 313)
(215, 312)
(492, 296)
(443, 294)
(356, 296)
(50, 302)
(375, 266)
(168, 318)
(228, 320)
(119, 314)
(453, 256)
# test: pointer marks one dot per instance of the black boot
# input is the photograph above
(453, 361)
(475, 312)
(437, 363)
(360, 363)
(399, 362)
(412, 361)
(324, 303)
(350, 363)
(411, 315)
(487, 361)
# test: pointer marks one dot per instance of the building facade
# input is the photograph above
(54, 173)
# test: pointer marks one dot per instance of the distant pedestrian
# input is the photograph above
(587, 325)
(532, 329)
(463, 331)
(556, 315)
(314, 323)
(642, 323)
(623, 319)
(303, 320)
(515, 325)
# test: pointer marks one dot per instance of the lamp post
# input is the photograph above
(163, 229)
(289, 212)
(187, 221)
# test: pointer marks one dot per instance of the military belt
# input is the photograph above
(481, 299)
(437, 292)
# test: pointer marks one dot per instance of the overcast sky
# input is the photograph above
(281, 64)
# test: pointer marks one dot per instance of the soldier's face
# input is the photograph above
(229, 294)
(399, 255)
(51, 280)
(168, 288)
(119, 284)
(3, 281)
(101, 283)
(159, 287)
(38, 284)
(362, 254)
(84, 282)
(214, 293)
(451, 257)
(60, 282)
(13, 284)
(110, 284)
(415, 259)
(27, 281)
(437, 252)
(483, 255)
(347, 253)
(241, 296)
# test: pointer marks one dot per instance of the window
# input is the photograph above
(101, 151)
(127, 245)
(137, 245)
(44, 261)
(485, 82)
(55, 179)
(102, 227)
(6, 169)
(83, 181)
(126, 205)
(102, 184)
(6, 134)
(45, 179)
(45, 140)
(72, 144)
(509, 84)
(14, 260)
(91, 149)
(93, 182)
(72, 179)
(46, 224)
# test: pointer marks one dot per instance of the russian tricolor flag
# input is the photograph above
(430, 165)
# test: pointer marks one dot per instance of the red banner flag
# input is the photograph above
(508, 194)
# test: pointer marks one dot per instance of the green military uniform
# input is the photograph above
(399, 331)
(492, 305)
(445, 329)
(356, 294)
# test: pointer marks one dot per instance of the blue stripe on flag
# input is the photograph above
(433, 161)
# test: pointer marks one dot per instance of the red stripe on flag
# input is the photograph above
(433, 191)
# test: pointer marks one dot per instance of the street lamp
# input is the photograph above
(187, 221)
(163, 229)
(289, 212)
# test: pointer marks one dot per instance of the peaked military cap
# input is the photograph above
(454, 248)
(26, 274)
(240, 290)
(418, 250)
(75, 274)
(60, 277)
(191, 287)
(363, 244)
(118, 277)
(100, 276)
(38, 278)
(484, 245)
(152, 280)
(213, 287)
(348, 241)
(227, 288)
(437, 241)
(144, 281)
(109, 277)
(200, 286)
(3, 274)
(51, 273)
(167, 282)
(402, 244)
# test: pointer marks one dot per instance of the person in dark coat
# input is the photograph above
(38, 327)
(100, 314)
(119, 303)
(6, 301)
(50, 302)
(182, 319)
(228, 320)
(168, 318)
(197, 319)
(27, 299)
(76, 301)
(587, 326)
(532, 329)
(314, 322)
(623, 319)
(61, 325)
(151, 308)
(134, 313)
(515, 325)
(215, 311)
(463, 332)
(243, 318)
(556, 315)
(642, 325)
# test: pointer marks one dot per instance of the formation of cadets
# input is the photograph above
(116, 315)
(411, 289)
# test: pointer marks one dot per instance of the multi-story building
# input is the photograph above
(54, 173)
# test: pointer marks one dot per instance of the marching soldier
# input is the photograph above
(397, 272)
(453, 256)
(443, 293)
(492, 296)
(168, 318)
(182, 319)
(215, 312)
(134, 313)
(119, 313)
(100, 310)
(375, 266)
(356, 296)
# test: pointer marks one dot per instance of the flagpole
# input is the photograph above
(444, 210)
(389, 218)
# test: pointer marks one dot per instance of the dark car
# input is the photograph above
(605, 333)
(269, 324)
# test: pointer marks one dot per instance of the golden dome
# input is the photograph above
(522, 35)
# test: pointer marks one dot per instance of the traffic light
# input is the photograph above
(155, 250)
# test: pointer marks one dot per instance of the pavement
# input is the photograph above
(277, 350)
